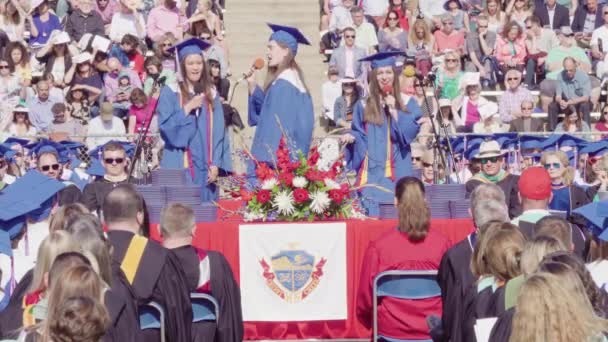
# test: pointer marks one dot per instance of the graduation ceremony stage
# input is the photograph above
(223, 236)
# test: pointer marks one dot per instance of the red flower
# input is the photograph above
(286, 177)
(263, 172)
(300, 195)
(315, 175)
(246, 195)
(336, 195)
(263, 196)
(313, 156)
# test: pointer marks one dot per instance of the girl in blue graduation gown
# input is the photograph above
(191, 122)
(284, 105)
(383, 128)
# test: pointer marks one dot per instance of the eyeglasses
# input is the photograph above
(482, 26)
(449, 23)
(46, 168)
(393, 18)
(492, 160)
(451, 60)
(526, 108)
(513, 79)
(4, 67)
(427, 165)
(350, 36)
(112, 160)
(553, 165)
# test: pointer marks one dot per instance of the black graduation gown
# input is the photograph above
(501, 332)
(480, 305)
(223, 288)
(69, 195)
(122, 310)
(159, 278)
(11, 318)
(578, 240)
(509, 187)
(454, 277)
(94, 193)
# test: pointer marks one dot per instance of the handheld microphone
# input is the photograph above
(198, 89)
(387, 89)
(257, 65)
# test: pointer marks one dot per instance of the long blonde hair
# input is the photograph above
(56, 243)
(568, 175)
(536, 250)
(547, 311)
(420, 23)
(414, 214)
(289, 62)
(373, 112)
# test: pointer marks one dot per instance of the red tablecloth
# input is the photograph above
(224, 237)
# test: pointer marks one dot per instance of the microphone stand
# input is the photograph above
(437, 144)
(142, 135)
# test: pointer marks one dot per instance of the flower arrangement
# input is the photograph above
(304, 189)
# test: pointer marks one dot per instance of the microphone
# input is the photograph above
(161, 80)
(387, 89)
(257, 65)
(198, 89)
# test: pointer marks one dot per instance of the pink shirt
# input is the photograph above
(162, 20)
(107, 13)
(142, 114)
(506, 51)
(453, 41)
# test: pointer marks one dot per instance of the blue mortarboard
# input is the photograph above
(506, 140)
(289, 36)
(192, 46)
(595, 149)
(559, 140)
(129, 148)
(31, 192)
(12, 140)
(594, 214)
(71, 152)
(5, 243)
(4, 148)
(382, 59)
(531, 142)
(473, 150)
(96, 168)
(457, 144)
(46, 145)
(13, 226)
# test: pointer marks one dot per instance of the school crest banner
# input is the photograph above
(293, 271)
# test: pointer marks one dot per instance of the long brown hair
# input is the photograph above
(205, 81)
(289, 62)
(479, 265)
(414, 214)
(373, 112)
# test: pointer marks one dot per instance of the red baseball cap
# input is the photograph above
(535, 183)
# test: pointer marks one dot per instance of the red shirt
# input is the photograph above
(136, 62)
(400, 318)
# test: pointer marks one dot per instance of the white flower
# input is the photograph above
(331, 184)
(252, 216)
(320, 201)
(299, 182)
(329, 152)
(283, 201)
(269, 184)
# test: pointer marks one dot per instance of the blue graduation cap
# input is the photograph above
(595, 149)
(128, 146)
(71, 152)
(559, 140)
(506, 140)
(531, 142)
(192, 46)
(12, 141)
(4, 149)
(470, 153)
(458, 144)
(5, 243)
(32, 194)
(96, 168)
(289, 36)
(594, 214)
(382, 59)
(46, 145)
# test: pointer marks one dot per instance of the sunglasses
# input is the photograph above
(427, 165)
(350, 36)
(593, 160)
(4, 67)
(526, 108)
(448, 23)
(46, 168)
(492, 160)
(513, 79)
(553, 165)
(393, 18)
(112, 160)
(482, 26)
(451, 60)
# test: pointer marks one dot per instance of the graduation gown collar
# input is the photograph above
(291, 76)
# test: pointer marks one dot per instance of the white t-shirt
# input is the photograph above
(330, 92)
(125, 24)
(599, 272)
(116, 128)
(375, 8)
(600, 33)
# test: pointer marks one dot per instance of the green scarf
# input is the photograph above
(496, 178)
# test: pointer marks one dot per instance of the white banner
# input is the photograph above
(293, 271)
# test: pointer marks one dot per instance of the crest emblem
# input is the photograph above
(293, 274)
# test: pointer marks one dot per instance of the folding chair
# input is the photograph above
(403, 285)
(152, 316)
(204, 307)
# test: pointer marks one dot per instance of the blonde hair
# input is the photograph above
(497, 251)
(87, 231)
(414, 214)
(420, 23)
(65, 214)
(176, 219)
(547, 311)
(56, 243)
(535, 251)
(569, 172)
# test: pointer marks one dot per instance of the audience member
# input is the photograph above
(127, 20)
(496, 17)
(157, 275)
(448, 39)
(64, 123)
(525, 122)
(347, 57)
(340, 17)
(480, 48)
(509, 106)
(413, 246)
(539, 41)
(48, 164)
(21, 125)
(106, 127)
(518, 11)
(598, 39)
(535, 195)
(510, 50)
(365, 34)
(166, 17)
(573, 89)
(84, 20)
(489, 122)
(602, 124)
(449, 75)
(42, 22)
(392, 37)
(552, 14)
(114, 160)
(588, 17)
